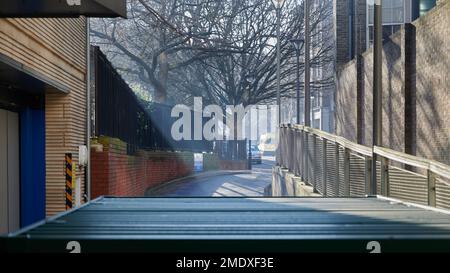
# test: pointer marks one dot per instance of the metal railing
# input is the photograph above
(119, 113)
(231, 149)
(337, 167)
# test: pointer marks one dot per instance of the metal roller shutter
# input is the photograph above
(318, 167)
(408, 186)
(310, 160)
(341, 172)
(357, 178)
(332, 173)
(442, 193)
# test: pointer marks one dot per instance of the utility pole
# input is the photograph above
(307, 66)
(377, 90)
(278, 63)
(278, 5)
(298, 86)
(298, 44)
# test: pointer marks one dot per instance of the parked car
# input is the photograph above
(256, 155)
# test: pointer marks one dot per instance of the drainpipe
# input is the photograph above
(88, 111)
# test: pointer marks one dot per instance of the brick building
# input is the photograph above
(416, 97)
(353, 22)
(43, 85)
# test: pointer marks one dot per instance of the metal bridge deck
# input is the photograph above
(139, 220)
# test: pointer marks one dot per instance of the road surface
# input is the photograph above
(242, 184)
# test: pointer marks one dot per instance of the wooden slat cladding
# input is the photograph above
(63, 36)
(56, 48)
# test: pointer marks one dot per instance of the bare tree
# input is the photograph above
(225, 76)
(209, 48)
(161, 37)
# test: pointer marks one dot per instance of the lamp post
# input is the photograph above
(250, 79)
(307, 66)
(278, 5)
(298, 44)
(377, 89)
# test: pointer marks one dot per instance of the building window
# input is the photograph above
(426, 5)
(393, 12)
(393, 18)
(388, 30)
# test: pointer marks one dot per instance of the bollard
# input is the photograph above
(69, 182)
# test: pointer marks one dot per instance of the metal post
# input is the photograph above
(306, 155)
(431, 189)
(346, 172)
(324, 166)
(291, 149)
(295, 148)
(314, 162)
(368, 174)
(307, 67)
(303, 166)
(384, 176)
(298, 86)
(377, 89)
(278, 11)
(336, 178)
(278, 63)
(307, 74)
(250, 154)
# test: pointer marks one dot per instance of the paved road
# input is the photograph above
(248, 184)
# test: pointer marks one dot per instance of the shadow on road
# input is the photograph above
(241, 184)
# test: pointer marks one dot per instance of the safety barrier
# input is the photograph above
(337, 167)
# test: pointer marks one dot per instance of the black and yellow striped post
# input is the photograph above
(69, 182)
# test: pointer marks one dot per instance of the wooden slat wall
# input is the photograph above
(57, 49)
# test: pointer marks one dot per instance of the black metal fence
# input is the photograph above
(119, 113)
(231, 150)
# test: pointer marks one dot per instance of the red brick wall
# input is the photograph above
(211, 162)
(114, 173)
(233, 165)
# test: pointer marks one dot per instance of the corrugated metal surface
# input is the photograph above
(442, 193)
(379, 191)
(354, 177)
(341, 172)
(407, 186)
(244, 218)
(310, 159)
(281, 147)
(331, 169)
(319, 166)
(298, 153)
(291, 155)
(357, 178)
(56, 48)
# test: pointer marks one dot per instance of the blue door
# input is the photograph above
(32, 165)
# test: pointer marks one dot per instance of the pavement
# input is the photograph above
(221, 184)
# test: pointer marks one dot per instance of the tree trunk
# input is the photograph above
(161, 91)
